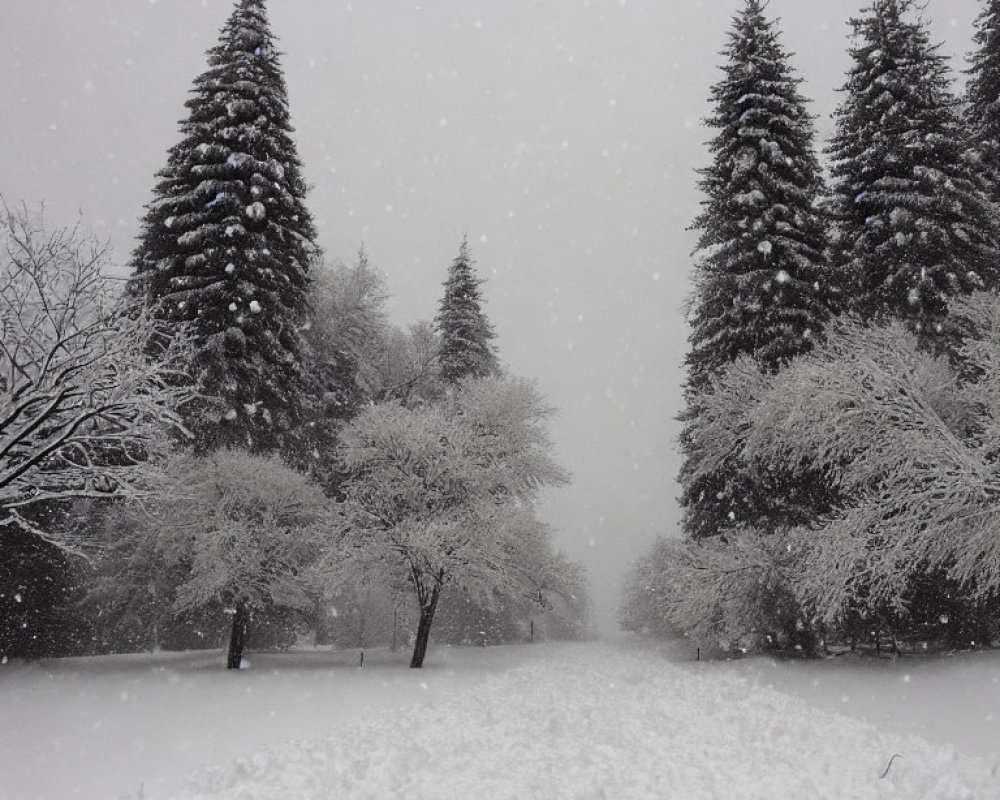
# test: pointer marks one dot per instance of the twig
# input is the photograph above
(889, 765)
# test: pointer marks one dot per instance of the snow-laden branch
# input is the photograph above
(908, 444)
(84, 405)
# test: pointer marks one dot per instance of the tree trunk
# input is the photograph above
(424, 629)
(237, 636)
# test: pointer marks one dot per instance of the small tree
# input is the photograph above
(466, 334)
(84, 411)
(437, 492)
(246, 530)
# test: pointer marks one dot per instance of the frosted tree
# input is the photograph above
(345, 325)
(439, 494)
(404, 367)
(545, 594)
(732, 593)
(84, 411)
(763, 287)
(982, 115)
(245, 531)
(645, 605)
(913, 225)
(227, 239)
(349, 324)
(910, 447)
(466, 349)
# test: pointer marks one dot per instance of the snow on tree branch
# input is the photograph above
(908, 445)
(83, 407)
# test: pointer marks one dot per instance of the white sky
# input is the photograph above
(561, 135)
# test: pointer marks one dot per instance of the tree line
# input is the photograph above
(237, 445)
(839, 433)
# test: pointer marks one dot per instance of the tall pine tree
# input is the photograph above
(913, 225)
(983, 96)
(466, 349)
(227, 240)
(763, 287)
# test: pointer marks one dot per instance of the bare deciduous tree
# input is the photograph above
(84, 408)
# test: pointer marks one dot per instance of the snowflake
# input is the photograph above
(256, 211)
(255, 307)
(232, 306)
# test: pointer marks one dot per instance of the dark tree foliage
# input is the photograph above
(762, 283)
(982, 116)
(913, 224)
(38, 614)
(763, 286)
(227, 240)
(466, 349)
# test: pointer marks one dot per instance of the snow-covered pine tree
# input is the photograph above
(913, 223)
(763, 286)
(227, 239)
(466, 349)
(982, 113)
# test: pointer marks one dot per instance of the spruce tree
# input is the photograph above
(913, 224)
(466, 349)
(982, 115)
(227, 240)
(763, 286)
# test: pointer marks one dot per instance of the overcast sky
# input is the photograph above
(560, 135)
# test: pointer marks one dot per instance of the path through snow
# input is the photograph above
(600, 721)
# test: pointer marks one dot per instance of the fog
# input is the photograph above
(561, 136)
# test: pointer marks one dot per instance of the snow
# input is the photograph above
(591, 720)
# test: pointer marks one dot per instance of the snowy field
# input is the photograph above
(595, 720)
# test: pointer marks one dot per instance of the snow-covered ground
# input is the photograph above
(595, 720)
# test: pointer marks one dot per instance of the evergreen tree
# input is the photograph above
(983, 96)
(913, 223)
(763, 286)
(466, 334)
(227, 240)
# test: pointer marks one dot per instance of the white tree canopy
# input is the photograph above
(444, 490)
(909, 447)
